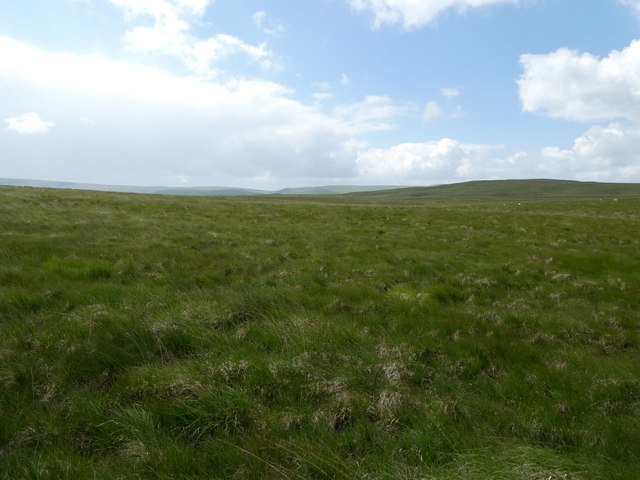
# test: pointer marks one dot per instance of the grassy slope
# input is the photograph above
(171, 337)
(515, 189)
(333, 190)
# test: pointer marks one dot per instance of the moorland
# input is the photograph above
(479, 331)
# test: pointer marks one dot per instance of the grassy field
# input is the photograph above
(363, 336)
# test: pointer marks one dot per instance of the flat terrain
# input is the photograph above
(386, 335)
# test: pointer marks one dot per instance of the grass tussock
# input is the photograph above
(343, 337)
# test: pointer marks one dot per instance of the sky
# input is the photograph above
(288, 93)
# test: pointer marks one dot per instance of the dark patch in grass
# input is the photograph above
(224, 412)
(79, 268)
(447, 294)
(176, 343)
(110, 348)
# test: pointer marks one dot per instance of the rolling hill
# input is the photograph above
(483, 189)
(514, 189)
(193, 191)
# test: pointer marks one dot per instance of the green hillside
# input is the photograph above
(165, 337)
(332, 190)
(523, 189)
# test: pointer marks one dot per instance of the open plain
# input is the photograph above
(462, 334)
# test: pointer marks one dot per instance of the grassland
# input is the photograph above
(373, 337)
(513, 189)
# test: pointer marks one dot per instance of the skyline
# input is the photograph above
(266, 94)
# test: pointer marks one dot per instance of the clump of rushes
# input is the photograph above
(374, 336)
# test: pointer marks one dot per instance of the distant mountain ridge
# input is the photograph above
(226, 191)
(477, 189)
(196, 191)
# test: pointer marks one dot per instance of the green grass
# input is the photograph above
(513, 189)
(372, 336)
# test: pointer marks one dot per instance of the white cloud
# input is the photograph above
(101, 77)
(28, 124)
(582, 87)
(345, 80)
(432, 111)
(450, 92)
(374, 113)
(445, 160)
(567, 84)
(146, 120)
(602, 153)
(259, 17)
(266, 24)
(415, 13)
(170, 34)
(202, 56)
(633, 4)
(163, 9)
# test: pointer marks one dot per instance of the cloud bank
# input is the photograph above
(603, 153)
(113, 116)
(580, 86)
(413, 14)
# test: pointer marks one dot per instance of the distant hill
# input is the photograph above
(209, 191)
(514, 189)
(195, 191)
(333, 190)
(484, 189)
(199, 191)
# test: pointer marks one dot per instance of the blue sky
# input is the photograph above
(278, 93)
